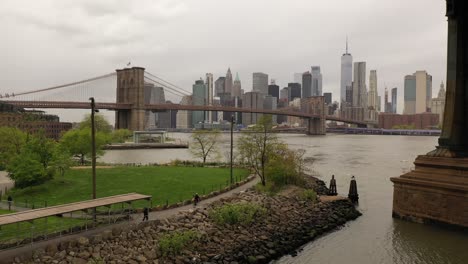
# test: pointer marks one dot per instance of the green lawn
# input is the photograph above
(163, 183)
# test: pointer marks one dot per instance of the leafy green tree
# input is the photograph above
(100, 123)
(120, 135)
(204, 143)
(26, 170)
(42, 147)
(61, 159)
(12, 141)
(78, 142)
(258, 146)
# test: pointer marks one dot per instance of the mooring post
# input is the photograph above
(353, 192)
(332, 189)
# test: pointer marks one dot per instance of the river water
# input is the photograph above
(375, 237)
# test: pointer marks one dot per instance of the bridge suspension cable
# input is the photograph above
(168, 83)
(60, 86)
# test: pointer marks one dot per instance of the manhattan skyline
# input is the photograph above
(158, 35)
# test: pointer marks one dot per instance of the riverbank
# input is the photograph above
(289, 221)
(126, 146)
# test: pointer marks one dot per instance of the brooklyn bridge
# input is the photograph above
(130, 103)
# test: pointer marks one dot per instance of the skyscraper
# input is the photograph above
(294, 91)
(394, 100)
(219, 86)
(284, 94)
(359, 85)
(438, 104)
(236, 87)
(198, 98)
(273, 90)
(418, 93)
(316, 81)
(372, 96)
(260, 83)
(228, 82)
(253, 100)
(328, 98)
(346, 76)
(306, 84)
(388, 104)
(184, 117)
(209, 96)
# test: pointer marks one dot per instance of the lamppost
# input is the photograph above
(93, 145)
(232, 127)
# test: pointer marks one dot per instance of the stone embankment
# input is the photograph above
(290, 221)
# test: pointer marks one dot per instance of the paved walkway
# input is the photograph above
(7, 256)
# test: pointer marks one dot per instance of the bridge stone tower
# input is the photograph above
(130, 90)
(314, 105)
(436, 191)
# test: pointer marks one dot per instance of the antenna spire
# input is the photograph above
(346, 44)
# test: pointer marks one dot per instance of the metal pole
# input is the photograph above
(232, 127)
(93, 151)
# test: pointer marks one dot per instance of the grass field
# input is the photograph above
(171, 184)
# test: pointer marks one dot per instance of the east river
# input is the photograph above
(373, 238)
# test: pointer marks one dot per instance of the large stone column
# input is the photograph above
(436, 191)
(130, 90)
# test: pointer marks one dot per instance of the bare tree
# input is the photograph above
(257, 146)
(204, 144)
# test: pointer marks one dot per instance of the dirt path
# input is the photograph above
(7, 256)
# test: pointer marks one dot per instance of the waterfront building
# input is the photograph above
(306, 84)
(236, 87)
(273, 90)
(184, 117)
(359, 85)
(219, 86)
(198, 93)
(388, 104)
(252, 100)
(394, 100)
(438, 104)
(228, 82)
(294, 91)
(346, 77)
(209, 96)
(32, 121)
(316, 81)
(412, 121)
(418, 93)
(260, 83)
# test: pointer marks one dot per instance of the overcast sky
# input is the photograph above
(52, 42)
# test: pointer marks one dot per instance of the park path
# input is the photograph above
(7, 256)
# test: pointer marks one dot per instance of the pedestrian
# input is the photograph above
(145, 214)
(332, 190)
(196, 199)
(10, 201)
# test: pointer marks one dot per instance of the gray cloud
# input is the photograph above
(58, 41)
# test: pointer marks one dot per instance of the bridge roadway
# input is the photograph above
(164, 107)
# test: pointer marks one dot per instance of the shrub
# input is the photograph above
(174, 242)
(239, 213)
(309, 195)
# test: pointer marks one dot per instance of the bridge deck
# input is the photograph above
(31, 215)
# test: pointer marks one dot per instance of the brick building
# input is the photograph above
(418, 121)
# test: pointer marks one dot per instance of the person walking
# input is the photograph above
(145, 214)
(10, 201)
(196, 199)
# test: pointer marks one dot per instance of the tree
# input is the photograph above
(78, 142)
(100, 123)
(12, 141)
(257, 147)
(204, 143)
(120, 135)
(26, 170)
(42, 147)
(61, 159)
